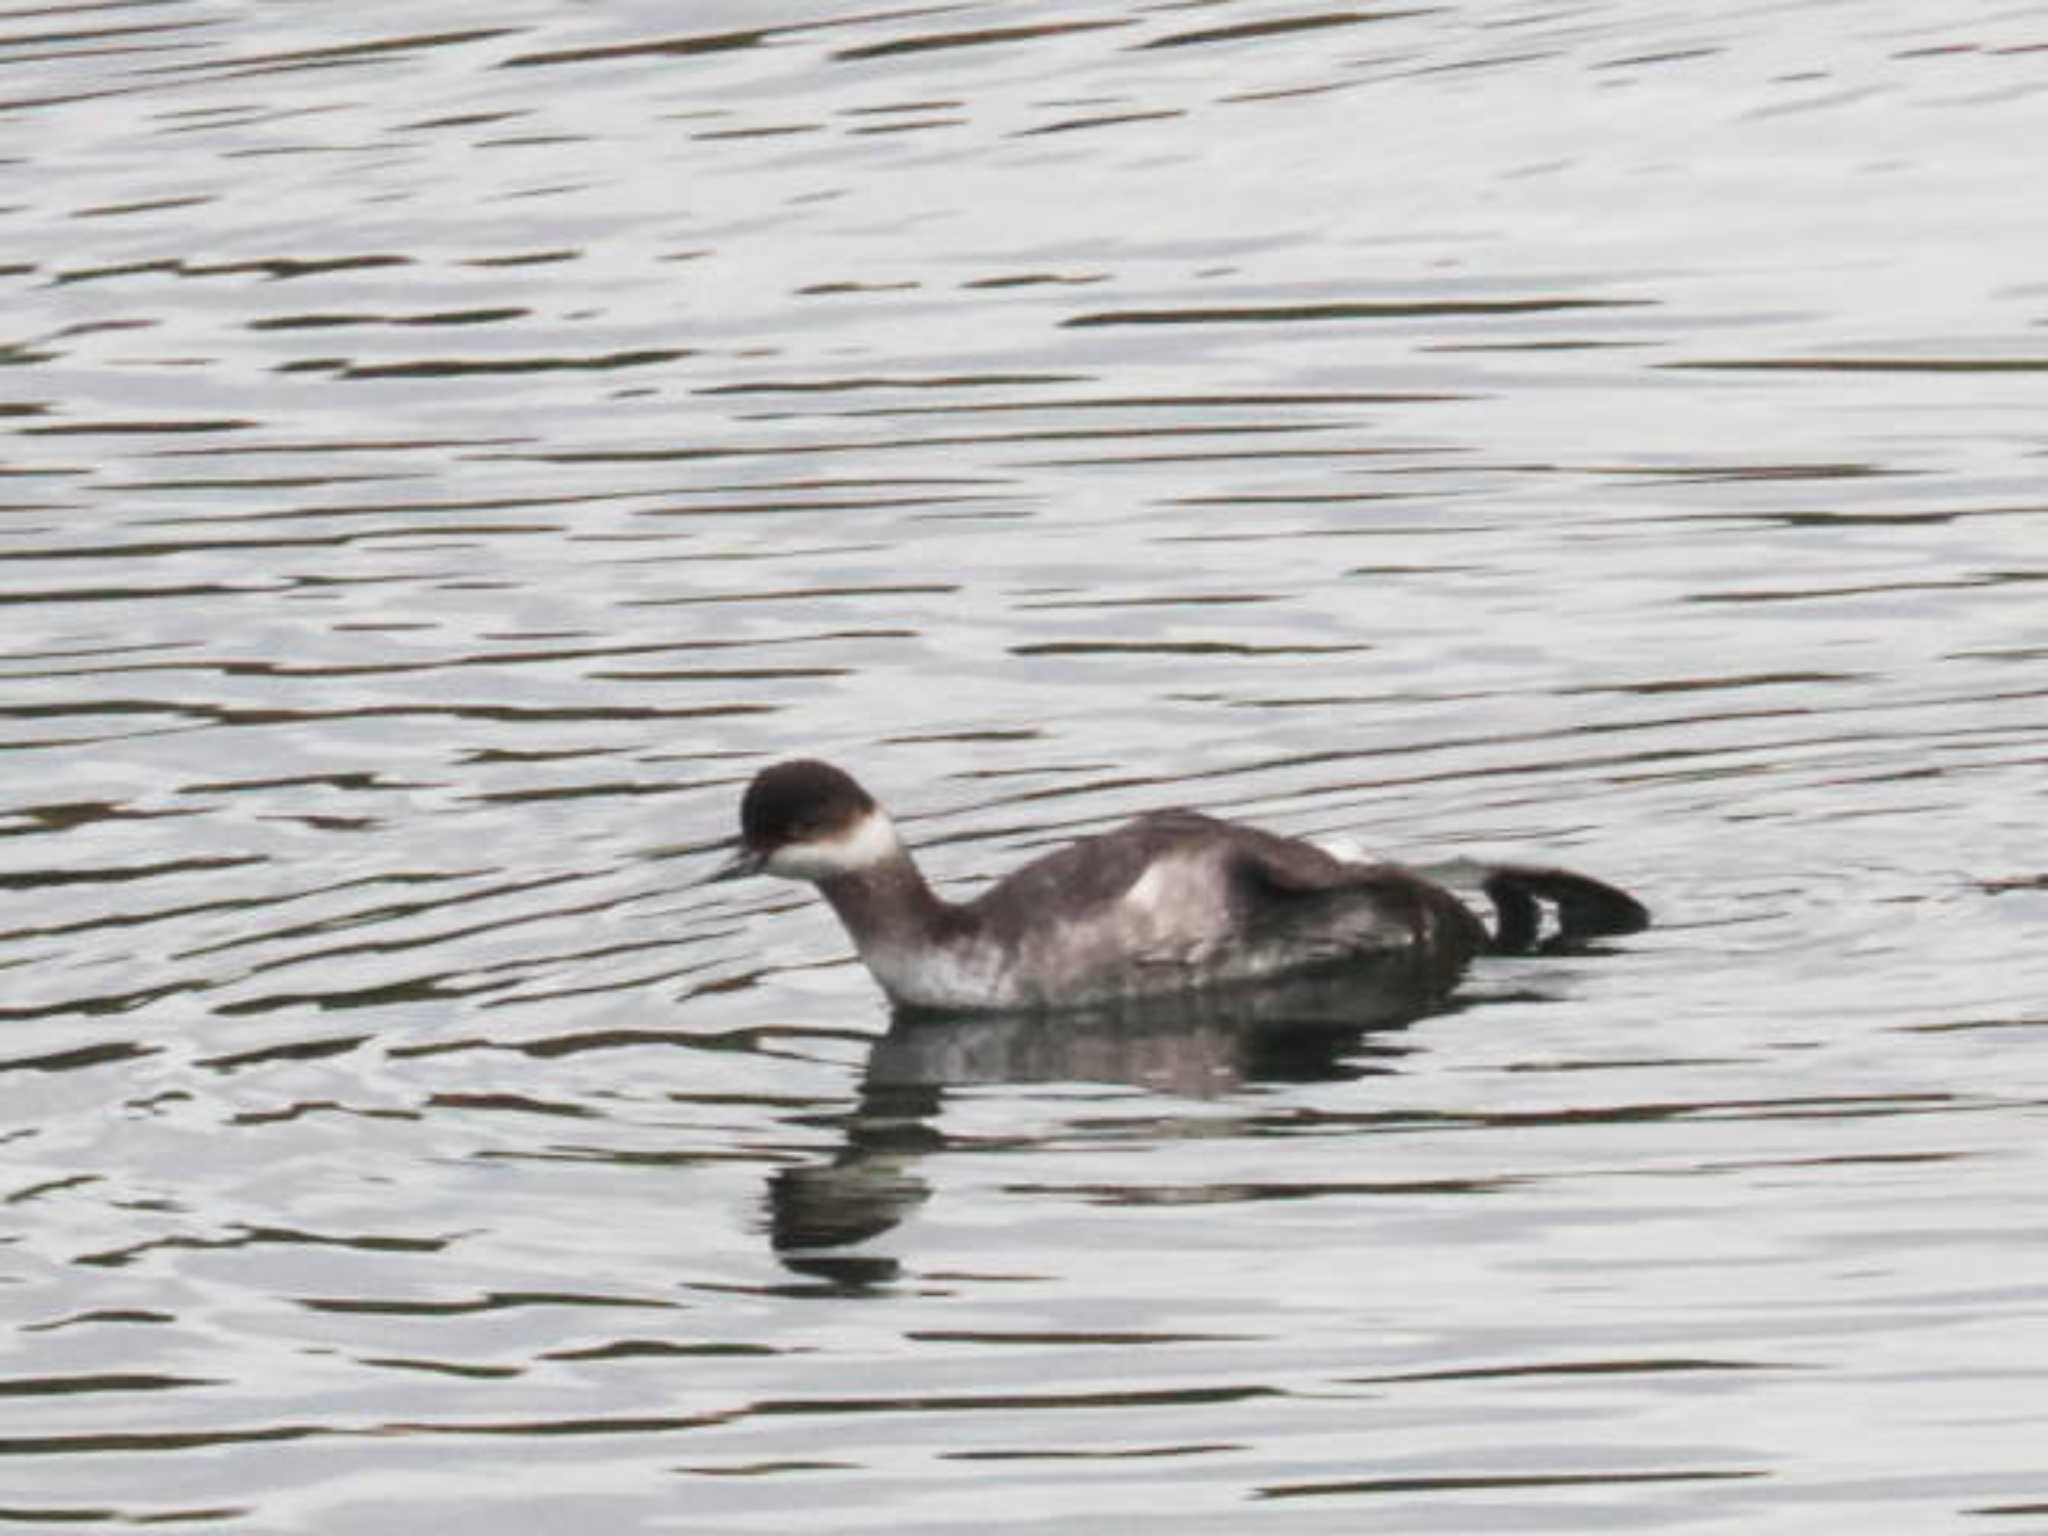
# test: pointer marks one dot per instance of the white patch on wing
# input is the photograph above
(870, 841)
(1147, 890)
(1174, 912)
(1341, 845)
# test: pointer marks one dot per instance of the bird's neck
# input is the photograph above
(888, 905)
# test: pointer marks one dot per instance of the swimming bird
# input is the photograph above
(1172, 903)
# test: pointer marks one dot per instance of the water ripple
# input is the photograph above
(446, 462)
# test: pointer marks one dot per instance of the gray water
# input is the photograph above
(446, 450)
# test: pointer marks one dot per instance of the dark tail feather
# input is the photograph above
(1586, 908)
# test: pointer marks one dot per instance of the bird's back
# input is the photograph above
(1176, 901)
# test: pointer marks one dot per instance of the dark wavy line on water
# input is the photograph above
(1138, 1195)
(1652, 1366)
(1167, 402)
(1132, 1397)
(312, 482)
(160, 548)
(1480, 1483)
(667, 47)
(794, 594)
(1036, 280)
(130, 428)
(299, 1109)
(164, 1440)
(85, 1055)
(897, 381)
(511, 1103)
(108, 1514)
(453, 368)
(1867, 365)
(1494, 61)
(60, 652)
(1334, 456)
(1738, 681)
(1106, 120)
(752, 1040)
(1039, 1339)
(228, 668)
(650, 1424)
(1068, 1453)
(69, 815)
(133, 594)
(991, 439)
(629, 788)
(50, 1187)
(335, 321)
(1178, 648)
(1269, 313)
(1279, 26)
(489, 1301)
(441, 986)
(38, 879)
(147, 205)
(1168, 600)
(768, 131)
(257, 65)
(660, 1349)
(618, 1157)
(278, 268)
(218, 714)
(321, 510)
(712, 42)
(291, 1050)
(98, 1315)
(1665, 56)
(1870, 589)
(95, 35)
(933, 41)
(1737, 474)
(462, 1369)
(1891, 519)
(1809, 1107)
(252, 1237)
(339, 445)
(520, 258)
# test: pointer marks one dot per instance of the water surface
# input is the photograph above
(444, 456)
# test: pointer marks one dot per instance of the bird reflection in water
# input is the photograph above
(1205, 1044)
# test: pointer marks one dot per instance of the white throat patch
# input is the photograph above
(870, 841)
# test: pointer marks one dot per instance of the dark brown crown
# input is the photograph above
(799, 801)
